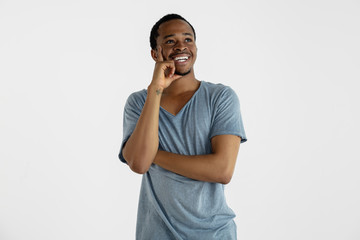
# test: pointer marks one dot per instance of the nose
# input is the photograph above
(179, 47)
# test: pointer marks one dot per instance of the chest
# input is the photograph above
(188, 131)
(174, 104)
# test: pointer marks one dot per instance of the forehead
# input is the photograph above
(175, 26)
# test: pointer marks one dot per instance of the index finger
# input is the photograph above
(159, 54)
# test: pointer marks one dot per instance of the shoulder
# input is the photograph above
(137, 98)
(218, 91)
(138, 95)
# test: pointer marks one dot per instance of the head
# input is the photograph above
(154, 31)
(174, 38)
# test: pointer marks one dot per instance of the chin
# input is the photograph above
(183, 73)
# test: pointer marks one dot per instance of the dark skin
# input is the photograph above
(175, 40)
(172, 86)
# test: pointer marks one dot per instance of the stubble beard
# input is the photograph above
(182, 73)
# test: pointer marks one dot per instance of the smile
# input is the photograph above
(181, 59)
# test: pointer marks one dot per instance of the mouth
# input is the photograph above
(180, 58)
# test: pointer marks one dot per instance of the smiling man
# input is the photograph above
(183, 135)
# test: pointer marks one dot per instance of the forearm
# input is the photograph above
(215, 167)
(210, 168)
(142, 146)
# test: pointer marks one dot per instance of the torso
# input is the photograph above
(174, 103)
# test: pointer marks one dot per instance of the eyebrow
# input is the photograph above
(171, 35)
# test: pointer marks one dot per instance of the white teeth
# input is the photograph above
(181, 59)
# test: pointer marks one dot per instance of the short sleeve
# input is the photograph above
(227, 116)
(132, 111)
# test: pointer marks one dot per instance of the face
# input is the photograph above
(177, 42)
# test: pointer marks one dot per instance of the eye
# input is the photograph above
(188, 40)
(170, 41)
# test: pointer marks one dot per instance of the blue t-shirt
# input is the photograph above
(172, 206)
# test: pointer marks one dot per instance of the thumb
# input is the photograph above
(159, 54)
(173, 77)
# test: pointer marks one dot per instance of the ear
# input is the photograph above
(154, 54)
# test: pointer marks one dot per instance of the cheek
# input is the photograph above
(166, 51)
(194, 49)
(194, 52)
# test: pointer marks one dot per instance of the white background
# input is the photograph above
(67, 67)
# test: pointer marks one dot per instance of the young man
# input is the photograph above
(183, 135)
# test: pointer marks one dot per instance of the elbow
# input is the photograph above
(223, 167)
(136, 164)
(225, 178)
(225, 174)
(139, 168)
(139, 161)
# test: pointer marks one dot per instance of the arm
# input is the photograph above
(215, 167)
(142, 146)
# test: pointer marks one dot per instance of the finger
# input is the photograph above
(172, 72)
(168, 65)
(174, 77)
(159, 54)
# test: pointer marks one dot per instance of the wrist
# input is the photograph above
(157, 157)
(155, 89)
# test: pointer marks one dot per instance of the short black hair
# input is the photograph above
(155, 33)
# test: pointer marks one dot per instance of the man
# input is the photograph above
(183, 135)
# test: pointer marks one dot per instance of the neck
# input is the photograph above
(184, 84)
